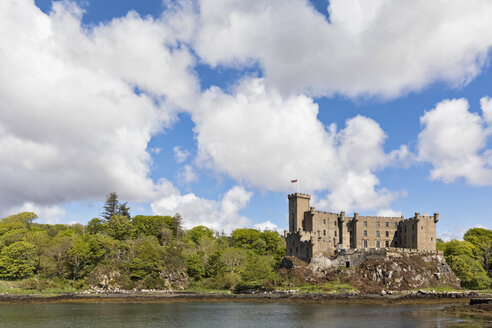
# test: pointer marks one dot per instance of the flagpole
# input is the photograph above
(297, 185)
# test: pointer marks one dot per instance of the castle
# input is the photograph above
(315, 232)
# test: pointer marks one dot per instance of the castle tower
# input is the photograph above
(298, 205)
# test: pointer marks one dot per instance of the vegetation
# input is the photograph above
(470, 258)
(143, 252)
(155, 252)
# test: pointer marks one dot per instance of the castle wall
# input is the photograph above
(377, 232)
(316, 232)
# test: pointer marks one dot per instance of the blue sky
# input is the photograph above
(209, 109)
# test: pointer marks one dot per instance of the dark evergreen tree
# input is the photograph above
(124, 210)
(111, 206)
(177, 224)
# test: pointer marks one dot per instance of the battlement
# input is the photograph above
(299, 195)
(314, 232)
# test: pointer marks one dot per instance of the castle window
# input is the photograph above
(335, 233)
(387, 234)
(324, 232)
(365, 233)
(432, 238)
(421, 227)
(335, 222)
(324, 221)
(378, 244)
(377, 233)
(387, 243)
(377, 224)
(387, 224)
(365, 243)
(365, 223)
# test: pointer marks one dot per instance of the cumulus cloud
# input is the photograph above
(379, 47)
(72, 126)
(454, 140)
(389, 212)
(257, 136)
(217, 215)
(267, 225)
(180, 154)
(187, 174)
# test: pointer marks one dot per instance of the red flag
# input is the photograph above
(293, 181)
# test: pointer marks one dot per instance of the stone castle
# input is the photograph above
(314, 232)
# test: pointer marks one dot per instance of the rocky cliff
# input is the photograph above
(375, 271)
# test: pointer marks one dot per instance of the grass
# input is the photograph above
(328, 287)
(32, 286)
(440, 289)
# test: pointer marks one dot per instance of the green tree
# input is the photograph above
(79, 258)
(95, 226)
(457, 247)
(198, 232)
(18, 260)
(155, 225)
(470, 272)
(124, 210)
(194, 266)
(120, 227)
(177, 225)
(147, 259)
(246, 238)
(215, 266)
(234, 258)
(482, 239)
(259, 269)
(111, 206)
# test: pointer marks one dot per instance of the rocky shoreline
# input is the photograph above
(283, 296)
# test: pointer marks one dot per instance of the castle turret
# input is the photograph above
(298, 205)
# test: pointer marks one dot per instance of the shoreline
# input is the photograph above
(265, 297)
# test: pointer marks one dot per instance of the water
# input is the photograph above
(225, 315)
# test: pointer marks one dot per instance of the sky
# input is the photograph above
(210, 108)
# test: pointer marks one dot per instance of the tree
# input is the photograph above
(124, 210)
(177, 224)
(111, 206)
(198, 232)
(482, 239)
(245, 238)
(147, 258)
(95, 226)
(470, 272)
(18, 260)
(194, 266)
(120, 227)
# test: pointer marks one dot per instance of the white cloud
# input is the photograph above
(187, 174)
(379, 47)
(257, 136)
(181, 155)
(46, 214)
(389, 212)
(456, 233)
(217, 215)
(453, 141)
(267, 225)
(71, 125)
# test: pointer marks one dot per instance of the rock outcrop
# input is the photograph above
(375, 271)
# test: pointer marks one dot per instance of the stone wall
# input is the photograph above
(328, 232)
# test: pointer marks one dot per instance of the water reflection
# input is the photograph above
(227, 315)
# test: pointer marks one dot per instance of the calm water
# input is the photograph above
(224, 315)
